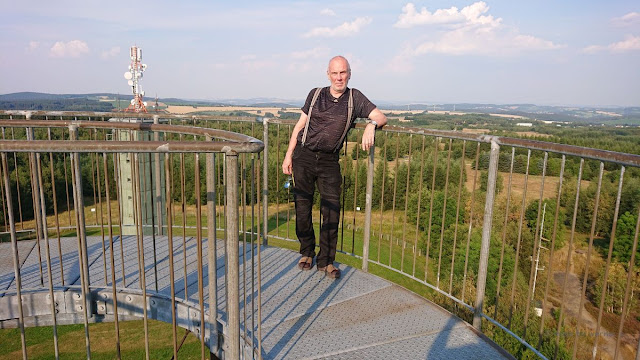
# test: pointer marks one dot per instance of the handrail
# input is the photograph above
(128, 146)
(496, 142)
(235, 142)
(143, 197)
(590, 153)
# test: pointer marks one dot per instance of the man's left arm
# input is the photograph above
(378, 120)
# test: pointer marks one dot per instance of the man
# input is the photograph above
(312, 158)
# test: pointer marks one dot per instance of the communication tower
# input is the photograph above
(133, 76)
(149, 182)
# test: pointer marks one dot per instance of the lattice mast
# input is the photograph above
(133, 76)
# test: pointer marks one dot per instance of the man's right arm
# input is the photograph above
(286, 163)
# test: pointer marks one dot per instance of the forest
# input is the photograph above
(74, 104)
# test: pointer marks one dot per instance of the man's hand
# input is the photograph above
(286, 165)
(369, 134)
(368, 137)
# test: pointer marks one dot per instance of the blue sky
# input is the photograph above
(542, 52)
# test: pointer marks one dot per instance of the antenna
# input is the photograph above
(133, 76)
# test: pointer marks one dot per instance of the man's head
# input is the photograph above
(339, 73)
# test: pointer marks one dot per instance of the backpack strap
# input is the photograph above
(306, 126)
(348, 123)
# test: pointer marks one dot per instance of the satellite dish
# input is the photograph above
(133, 101)
(128, 75)
(130, 82)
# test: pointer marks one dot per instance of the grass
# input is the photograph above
(71, 342)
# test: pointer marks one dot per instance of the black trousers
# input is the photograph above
(312, 168)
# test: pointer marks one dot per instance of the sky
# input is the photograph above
(582, 53)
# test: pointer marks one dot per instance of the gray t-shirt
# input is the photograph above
(329, 117)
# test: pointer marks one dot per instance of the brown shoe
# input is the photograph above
(330, 271)
(305, 263)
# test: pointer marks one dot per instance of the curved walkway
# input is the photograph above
(305, 315)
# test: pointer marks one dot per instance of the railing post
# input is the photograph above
(265, 181)
(14, 250)
(211, 252)
(232, 258)
(39, 229)
(486, 234)
(158, 183)
(83, 258)
(80, 219)
(367, 211)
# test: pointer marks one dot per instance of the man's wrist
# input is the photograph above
(374, 123)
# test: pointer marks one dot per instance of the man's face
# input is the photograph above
(338, 74)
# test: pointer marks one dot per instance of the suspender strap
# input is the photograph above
(348, 123)
(306, 126)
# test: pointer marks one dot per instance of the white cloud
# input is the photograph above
(113, 52)
(251, 62)
(306, 61)
(255, 63)
(33, 45)
(529, 42)
(632, 18)
(483, 41)
(401, 64)
(469, 15)
(344, 30)
(315, 53)
(296, 61)
(328, 12)
(469, 31)
(248, 57)
(631, 43)
(592, 49)
(218, 66)
(73, 48)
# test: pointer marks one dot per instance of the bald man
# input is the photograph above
(312, 159)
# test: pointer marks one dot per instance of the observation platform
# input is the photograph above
(305, 315)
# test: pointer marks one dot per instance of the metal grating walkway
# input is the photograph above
(304, 314)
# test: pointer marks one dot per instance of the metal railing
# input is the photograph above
(431, 206)
(533, 237)
(131, 168)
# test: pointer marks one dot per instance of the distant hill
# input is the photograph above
(275, 105)
(607, 115)
(54, 102)
(22, 96)
(19, 100)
